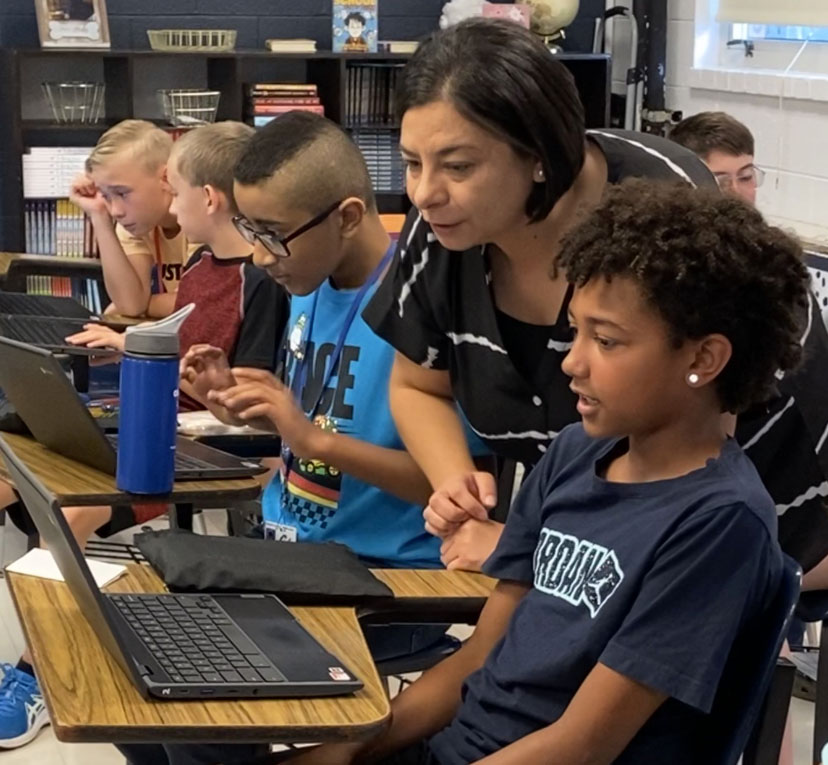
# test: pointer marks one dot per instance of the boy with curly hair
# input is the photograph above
(643, 545)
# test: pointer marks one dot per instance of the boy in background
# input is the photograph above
(726, 146)
(238, 307)
(127, 197)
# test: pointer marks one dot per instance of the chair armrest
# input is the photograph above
(766, 740)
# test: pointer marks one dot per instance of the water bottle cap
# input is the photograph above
(161, 343)
(158, 338)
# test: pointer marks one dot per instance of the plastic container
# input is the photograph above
(186, 40)
(188, 107)
(76, 102)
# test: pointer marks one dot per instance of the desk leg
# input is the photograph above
(182, 517)
(80, 372)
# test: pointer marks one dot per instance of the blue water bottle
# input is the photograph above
(149, 410)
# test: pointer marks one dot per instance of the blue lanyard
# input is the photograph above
(301, 372)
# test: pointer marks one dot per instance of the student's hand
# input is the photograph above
(86, 195)
(259, 394)
(464, 496)
(469, 546)
(206, 369)
(99, 336)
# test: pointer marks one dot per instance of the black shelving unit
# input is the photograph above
(131, 78)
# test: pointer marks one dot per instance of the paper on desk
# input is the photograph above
(40, 563)
(205, 423)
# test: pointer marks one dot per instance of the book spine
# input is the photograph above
(315, 108)
(287, 101)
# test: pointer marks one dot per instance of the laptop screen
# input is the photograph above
(58, 538)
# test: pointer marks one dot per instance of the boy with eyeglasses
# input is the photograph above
(308, 209)
(726, 146)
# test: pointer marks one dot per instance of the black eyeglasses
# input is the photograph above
(275, 244)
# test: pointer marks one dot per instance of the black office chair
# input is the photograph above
(751, 707)
(813, 607)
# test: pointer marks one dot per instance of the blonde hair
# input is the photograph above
(148, 144)
(207, 155)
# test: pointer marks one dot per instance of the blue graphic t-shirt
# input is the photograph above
(654, 580)
(317, 503)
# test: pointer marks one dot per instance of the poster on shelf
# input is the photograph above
(355, 26)
(72, 23)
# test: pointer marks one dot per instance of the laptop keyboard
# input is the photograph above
(194, 640)
(36, 331)
(183, 462)
(41, 305)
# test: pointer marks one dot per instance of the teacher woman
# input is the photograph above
(499, 168)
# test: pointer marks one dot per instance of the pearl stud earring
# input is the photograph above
(692, 379)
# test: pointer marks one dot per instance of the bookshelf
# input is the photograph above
(132, 78)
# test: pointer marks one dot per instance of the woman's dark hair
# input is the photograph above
(707, 263)
(500, 76)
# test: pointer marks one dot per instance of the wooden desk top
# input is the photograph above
(5, 259)
(74, 483)
(90, 699)
(435, 583)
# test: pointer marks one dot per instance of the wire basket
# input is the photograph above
(187, 107)
(186, 40)
(78, 102)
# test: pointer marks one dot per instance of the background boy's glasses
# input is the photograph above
(272, 241)
(751, 176)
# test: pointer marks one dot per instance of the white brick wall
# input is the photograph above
(790, 138)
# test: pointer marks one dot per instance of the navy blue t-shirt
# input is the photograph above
(654, 580)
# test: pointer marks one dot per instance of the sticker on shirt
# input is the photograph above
(576, 570)
(310, 491)
(279, 532)
(296, 339)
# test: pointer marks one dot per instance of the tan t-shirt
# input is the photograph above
(169, 256)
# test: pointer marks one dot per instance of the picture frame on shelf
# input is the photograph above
(72, 23)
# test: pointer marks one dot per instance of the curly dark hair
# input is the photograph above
(707, 263)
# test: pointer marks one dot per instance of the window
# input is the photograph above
(775, 32)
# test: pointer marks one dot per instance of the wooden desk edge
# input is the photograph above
(86, 734)
(209, 731)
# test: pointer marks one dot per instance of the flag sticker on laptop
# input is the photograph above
(337, 673)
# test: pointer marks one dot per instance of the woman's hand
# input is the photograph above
(468, 548)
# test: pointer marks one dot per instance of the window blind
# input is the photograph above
(804, 13)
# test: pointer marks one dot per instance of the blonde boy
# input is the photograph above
(127, 198)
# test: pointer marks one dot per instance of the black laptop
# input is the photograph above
(36, 384)
(21, 304)
(45, 321)
(188, 646)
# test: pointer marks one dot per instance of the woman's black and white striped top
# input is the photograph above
(436, 308)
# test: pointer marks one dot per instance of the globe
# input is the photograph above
(549, 17)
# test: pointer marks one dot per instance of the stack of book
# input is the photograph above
(48, 171)
(53, 225)
(381, 149)
(291, 45)
(268, 100)
(372, 121)
(58, 227)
